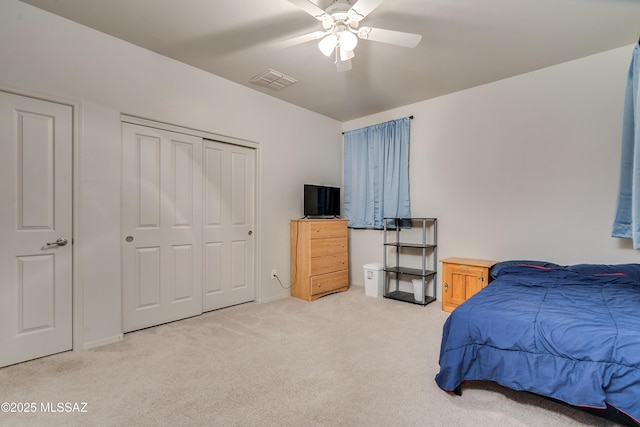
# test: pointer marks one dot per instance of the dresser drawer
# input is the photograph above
(329, 282)
(329, 264)
(326, 229)
(325, 247)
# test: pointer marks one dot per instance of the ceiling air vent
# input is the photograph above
(273, 80)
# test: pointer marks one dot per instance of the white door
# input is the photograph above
(229, 194)
(162, 226)
(35, 228)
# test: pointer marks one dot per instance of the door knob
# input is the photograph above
(250, 232)
(60, 242)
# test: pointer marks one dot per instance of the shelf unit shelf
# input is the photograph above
(408, 297)
(406, 271)
(423, 246)
(410, 245)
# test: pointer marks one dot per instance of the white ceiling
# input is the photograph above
(465, 43)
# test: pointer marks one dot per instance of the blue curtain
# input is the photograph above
(376, 174)
(627, 218)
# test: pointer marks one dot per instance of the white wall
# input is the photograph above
(523, 168)
(51, 57)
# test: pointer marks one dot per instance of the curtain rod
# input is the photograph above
(411, 117)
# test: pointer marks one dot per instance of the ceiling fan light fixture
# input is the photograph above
(345, 54)
(348, 40)
(327, 44)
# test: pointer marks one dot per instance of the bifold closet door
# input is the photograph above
(36, 145)
(229, 225)
(162, 226)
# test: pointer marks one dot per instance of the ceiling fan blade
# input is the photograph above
(310, 8)
(397, 38)
(362, 8)
(316, 35)
(343, 66)
(343, 59)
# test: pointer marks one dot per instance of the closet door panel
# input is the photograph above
(229, 188)
(162, 226)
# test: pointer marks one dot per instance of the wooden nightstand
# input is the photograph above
(462, 278)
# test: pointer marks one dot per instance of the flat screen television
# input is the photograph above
(321, 201)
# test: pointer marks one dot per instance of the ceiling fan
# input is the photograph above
(341, 29)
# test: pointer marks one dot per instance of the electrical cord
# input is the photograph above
(294, 261)
(280, 283)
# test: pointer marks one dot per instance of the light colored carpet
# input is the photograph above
(343, 360)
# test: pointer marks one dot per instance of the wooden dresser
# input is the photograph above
(319, 257)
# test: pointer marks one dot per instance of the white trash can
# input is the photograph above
(418, 290)
(373, 280)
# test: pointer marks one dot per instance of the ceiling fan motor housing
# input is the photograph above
(339, 10)
(340, 16)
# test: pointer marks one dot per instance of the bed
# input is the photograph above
(571, 333)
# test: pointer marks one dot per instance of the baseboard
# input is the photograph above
(104, 341)
(275, 298)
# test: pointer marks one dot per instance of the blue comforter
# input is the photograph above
(570, 333)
